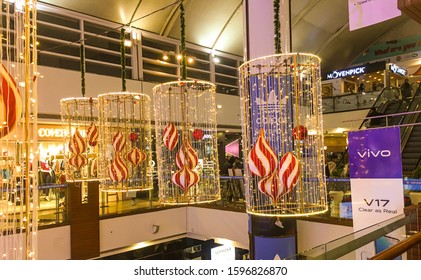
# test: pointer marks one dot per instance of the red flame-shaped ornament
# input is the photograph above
(118, 170)
(262, 159)
(288, 172)
(170, 136)
(92, 134)
(77, 144)
(119, 141)
(10, 103)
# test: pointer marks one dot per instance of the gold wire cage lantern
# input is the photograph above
(186, 142)
(283, 135)
(125, 142)
(79, 117)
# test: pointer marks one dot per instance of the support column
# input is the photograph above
(84, 221)
(269, 237)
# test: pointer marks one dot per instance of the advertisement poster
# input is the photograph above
(364, 13)
(376, 177)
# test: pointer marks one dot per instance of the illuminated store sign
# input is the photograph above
(346, 72)
(398, 70)
(357, 70)
(51, 132)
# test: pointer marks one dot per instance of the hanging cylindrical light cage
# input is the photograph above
(19, 153)
(125, 142)
(186, 142)
(283, 135)
(79, 117)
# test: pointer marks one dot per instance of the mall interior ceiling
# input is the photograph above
(319, 27)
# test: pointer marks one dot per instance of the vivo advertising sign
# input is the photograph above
(379, 159)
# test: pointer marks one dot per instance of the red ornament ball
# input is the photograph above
(133, 136)
(198, 134)
(300, 132)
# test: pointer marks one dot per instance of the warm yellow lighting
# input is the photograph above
(165, 56)
(190, 60)
(127, 43)
(216, 60)
(179, 56)
(219, 106)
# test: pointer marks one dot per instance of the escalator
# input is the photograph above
(410, 125)
(411, 138)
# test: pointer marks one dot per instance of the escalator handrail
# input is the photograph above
(415, 105)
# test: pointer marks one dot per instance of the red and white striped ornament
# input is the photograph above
(78, 161)
(170, 136)
(270, 186)
(186, 155)
(288, 172)
(185, 178)
(135, 156)
(118, 170)
(10, 103)
(77, 144)
(262, 159)
(119, 141)
(92, 135)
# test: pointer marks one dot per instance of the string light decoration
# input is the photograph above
(283, 135)
(186, 137)
(186, 142)
(79, 116)
(125, 142)
(18, 132)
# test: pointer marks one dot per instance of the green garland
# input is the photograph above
(277, 26)
(123, 60)
(183, 44)
(82, 67)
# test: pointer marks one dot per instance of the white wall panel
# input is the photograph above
(128, 230)
(213, 223)
(54, 243)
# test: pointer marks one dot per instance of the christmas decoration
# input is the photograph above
(10, 103)
(197, 134)
(300, 132)
(170, 136)
(92, 135)
(262, 159)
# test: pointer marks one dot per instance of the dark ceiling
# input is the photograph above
(318, 26)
